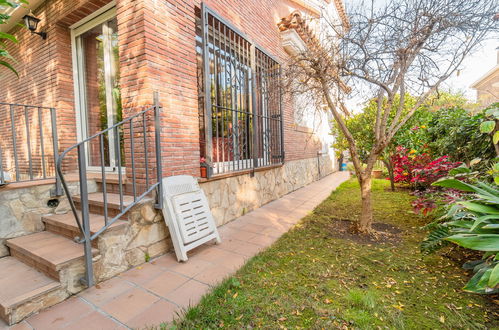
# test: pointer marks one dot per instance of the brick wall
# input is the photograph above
(157, 53)
(45, 66)
(169, 46)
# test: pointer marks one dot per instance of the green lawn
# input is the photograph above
(312, 278)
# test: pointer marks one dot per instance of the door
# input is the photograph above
(95, 54)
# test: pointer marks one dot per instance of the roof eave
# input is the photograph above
(486, 76)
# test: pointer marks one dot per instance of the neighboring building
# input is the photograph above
(487, 87)
(103, 62)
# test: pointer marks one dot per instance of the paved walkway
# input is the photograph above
(161, 289)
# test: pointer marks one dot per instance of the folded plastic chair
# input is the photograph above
(187, 214)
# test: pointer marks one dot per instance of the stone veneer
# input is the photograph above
(232, 197)
(145, 236)
(21, 209)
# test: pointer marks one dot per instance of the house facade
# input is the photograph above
(139, 90)
(487, 87)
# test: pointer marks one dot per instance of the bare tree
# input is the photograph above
(393, 47)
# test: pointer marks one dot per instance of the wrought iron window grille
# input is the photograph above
(241, 112)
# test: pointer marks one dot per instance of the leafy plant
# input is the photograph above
(405, 161)
(431, 172)
(436, 239)
(456, 132)
(473, 224)
(490, 124)
(495, 173)
(4, 37)
(418, 169)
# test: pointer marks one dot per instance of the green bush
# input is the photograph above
(456, 133)
(4, 54)
(473, 223)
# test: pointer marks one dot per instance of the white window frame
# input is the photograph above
(100, 16)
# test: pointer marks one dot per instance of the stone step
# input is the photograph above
(113, 185)
(65, 225)
(24, 290)
(47, 252)
(96, 203)
(127, 188)
(110, 178)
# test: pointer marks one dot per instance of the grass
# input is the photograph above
(310, 278)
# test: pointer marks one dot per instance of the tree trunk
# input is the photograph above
(389, 167)
(364, 225)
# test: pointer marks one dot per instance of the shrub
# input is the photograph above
(418, 169)
(473, 223)
(425, 203)
(431, 172)
(405, 161)
(456, 133)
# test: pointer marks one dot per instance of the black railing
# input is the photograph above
(148, 185)
(242, 99)
(29, 132)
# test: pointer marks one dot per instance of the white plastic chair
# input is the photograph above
(187, 214)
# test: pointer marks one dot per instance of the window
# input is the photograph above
(97, 89)
(241, 120)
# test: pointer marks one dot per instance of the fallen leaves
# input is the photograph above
(399, 306)
(304, 281)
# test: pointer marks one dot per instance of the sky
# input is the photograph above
(473, 68)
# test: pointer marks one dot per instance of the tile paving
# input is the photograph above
(160, 290)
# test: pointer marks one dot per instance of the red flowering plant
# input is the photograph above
(425, 203)
(418, 169)
(431, 172)
(405, 161)
(430, 199)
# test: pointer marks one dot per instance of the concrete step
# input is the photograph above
(96, 203)
(65, 225)
(24, 290)
(47, 252)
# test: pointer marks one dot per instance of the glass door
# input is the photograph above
(95, 46)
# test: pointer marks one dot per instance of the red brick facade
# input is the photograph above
(157, 53)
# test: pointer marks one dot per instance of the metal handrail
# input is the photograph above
(31, 113)
(83, 222)
(24, 105)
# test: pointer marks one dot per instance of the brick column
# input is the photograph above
(157, 53)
